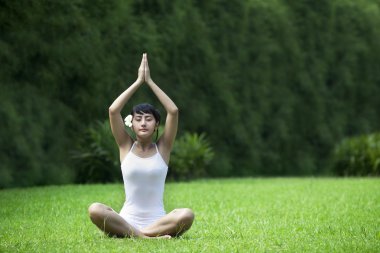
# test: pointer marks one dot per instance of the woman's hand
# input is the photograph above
(141, 72)
(147, 77)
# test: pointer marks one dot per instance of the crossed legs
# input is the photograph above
(110, 222)
(174, 223)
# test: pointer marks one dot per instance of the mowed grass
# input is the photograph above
(232, 215)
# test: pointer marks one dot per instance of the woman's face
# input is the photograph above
(144, 124)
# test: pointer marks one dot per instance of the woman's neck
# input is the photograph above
(144, 144)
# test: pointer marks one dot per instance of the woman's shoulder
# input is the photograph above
(164, 151)
(124, 150)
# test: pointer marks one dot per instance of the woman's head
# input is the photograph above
(145, 120)
(146, 109)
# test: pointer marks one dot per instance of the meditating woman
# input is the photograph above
(144, 165)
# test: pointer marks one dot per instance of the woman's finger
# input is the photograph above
(146, 61)
(142, 61)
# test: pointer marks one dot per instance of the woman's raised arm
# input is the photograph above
(166, 141)
(123, 140)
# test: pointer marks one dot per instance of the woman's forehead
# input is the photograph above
(143, 114)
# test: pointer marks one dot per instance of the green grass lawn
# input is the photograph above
(234, 215)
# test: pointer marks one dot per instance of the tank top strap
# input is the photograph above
(133, 145)
(156, 148)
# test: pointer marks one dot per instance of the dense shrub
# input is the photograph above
(358, 156)
(96, 157)
(191, 155)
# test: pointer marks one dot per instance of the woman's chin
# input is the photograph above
(144, 135)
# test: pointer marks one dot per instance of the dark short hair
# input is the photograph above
(146, 108)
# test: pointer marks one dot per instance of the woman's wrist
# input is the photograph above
(139, 81)
(149, 81)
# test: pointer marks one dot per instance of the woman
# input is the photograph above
(144, 166)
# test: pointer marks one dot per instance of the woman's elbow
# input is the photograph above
(174, 110)
(112, 110)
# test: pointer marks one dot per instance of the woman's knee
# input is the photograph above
(96, 210)
(186, 216)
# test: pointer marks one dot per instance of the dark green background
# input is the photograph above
(274, 84)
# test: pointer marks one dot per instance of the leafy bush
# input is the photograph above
(358, 156)
(97, 157)
(191, 154)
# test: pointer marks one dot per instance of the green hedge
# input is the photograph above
(273, 84)
(358, 156)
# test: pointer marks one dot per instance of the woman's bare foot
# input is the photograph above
(164, 237)
(157, 237)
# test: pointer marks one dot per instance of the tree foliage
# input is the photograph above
(357, 156)
(273, 84)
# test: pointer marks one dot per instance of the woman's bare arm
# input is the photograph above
(166, 140)
(123, 140)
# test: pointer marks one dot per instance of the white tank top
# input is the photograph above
(144, 180)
